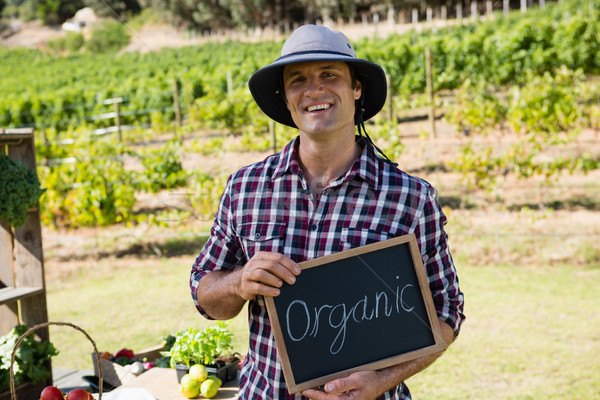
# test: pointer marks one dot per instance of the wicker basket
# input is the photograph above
(46, 324)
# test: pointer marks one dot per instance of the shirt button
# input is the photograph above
(313, 227)
(257, 235)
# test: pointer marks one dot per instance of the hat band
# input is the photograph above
(315, 52)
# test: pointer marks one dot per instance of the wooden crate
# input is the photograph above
(118, 375)
(22, 283)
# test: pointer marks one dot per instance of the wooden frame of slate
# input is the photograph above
(366, 308)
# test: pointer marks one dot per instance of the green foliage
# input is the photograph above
(94, 190)
(108, 36)
(30, 358)
(55, 12)
(546, 104)
(477, 108)
(201, 347)
(114, 8)
(205, 192)
(162, 169)
(19, 190)
(71, 42)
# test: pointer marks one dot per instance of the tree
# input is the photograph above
(55, 12)
(114, 8)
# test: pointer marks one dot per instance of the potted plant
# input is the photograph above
(210, 347)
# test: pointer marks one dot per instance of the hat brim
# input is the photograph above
(265, 85)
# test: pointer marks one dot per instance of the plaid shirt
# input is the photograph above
(268, 206)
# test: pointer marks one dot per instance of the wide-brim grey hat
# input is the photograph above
(316, 43)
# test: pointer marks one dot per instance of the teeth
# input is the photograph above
(318, 107)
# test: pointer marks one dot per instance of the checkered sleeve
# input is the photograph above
(441, 272)
(221, 251)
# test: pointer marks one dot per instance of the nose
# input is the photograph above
(313, 87)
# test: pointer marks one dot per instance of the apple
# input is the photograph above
(78, 394)
(51, 393)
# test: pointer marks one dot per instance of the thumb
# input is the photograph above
(337, 386)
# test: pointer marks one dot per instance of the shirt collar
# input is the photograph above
(367, 166)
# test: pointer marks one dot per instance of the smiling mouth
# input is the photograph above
(318, 107)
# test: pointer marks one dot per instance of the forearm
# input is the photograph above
(394, 375)
(218, 294)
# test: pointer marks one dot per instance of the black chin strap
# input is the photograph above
(363, 134)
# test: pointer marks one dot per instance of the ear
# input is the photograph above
(357, 90)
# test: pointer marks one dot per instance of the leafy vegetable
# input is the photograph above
(30, 358)
(201, 347)
(19, 190)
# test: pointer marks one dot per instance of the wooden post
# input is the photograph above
(118, 122)
(505, 7)
(489, 8)
(29, 253)
(474, 13)
(177, 102)
(9, 313)
(459, 13)
(116, 101)
(523, 6)
(390, 105)
(273, 135)
(429, 80)
(229, 84)
(444, 12)
(543, 4)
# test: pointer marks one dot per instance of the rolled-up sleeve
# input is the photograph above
(441, 271)
(221, 251)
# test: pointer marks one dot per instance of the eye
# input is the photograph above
(295, 80)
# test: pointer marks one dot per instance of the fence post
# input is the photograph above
(474, 12)
(273, 135)
(229, 84)
(429, 79)
(523, 6)
(505, 7)
(115, 102)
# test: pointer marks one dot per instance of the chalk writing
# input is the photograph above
(340, 316)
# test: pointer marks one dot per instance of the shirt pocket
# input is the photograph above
(352, 237)
(262, 236)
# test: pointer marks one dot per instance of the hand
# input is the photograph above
(358, 386)
(265, 273)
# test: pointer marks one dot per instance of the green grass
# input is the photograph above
(125, 303)
(531, 330)
(530, 333)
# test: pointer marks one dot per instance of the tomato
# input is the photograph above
(78, 394)
(51, 393)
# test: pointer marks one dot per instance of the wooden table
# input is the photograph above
(162, 383)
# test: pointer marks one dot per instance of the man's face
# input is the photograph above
(320, 96)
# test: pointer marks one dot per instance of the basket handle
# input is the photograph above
(13, 393)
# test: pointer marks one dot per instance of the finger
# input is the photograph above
(285, 261)
(252, 289)
(278, 265)
(314, 394)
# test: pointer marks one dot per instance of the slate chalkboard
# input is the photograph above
(362, 309)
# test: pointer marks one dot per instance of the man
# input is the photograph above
(326, 192)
